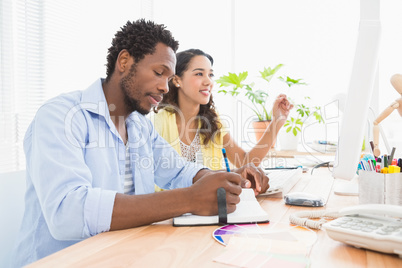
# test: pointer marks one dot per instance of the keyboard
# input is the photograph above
(282, 181)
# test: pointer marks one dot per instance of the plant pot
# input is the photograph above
(259, 129)
(288, 141)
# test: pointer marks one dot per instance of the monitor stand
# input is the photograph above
(347, 187)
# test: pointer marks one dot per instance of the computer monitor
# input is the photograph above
(360, 91)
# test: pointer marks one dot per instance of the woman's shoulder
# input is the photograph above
(224, 123)
(162, 120)
(163, 115)
(165, 124)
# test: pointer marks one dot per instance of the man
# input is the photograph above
(93, 158)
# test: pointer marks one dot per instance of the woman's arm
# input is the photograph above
(238, 157)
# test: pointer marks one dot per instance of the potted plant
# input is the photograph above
(235, 85)
(295, 123)
(297, 118)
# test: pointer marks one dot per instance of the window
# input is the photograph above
(22, 76)
(45, 46)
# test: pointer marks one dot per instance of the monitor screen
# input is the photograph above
(360, 90)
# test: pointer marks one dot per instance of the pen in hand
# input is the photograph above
(226, 160)
(248, 184)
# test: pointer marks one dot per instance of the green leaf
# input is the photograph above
(295, 132)
(268, 73)
(288, 129)
(257, 96)
(232, 80)
(291, 82)
(301, 112)
(234, 93)
(318, 117)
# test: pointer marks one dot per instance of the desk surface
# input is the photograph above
(162, 245)
(292, 154)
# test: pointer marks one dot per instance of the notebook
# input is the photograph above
(282, 181)
(247, 211)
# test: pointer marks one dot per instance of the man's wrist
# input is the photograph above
(200, 173)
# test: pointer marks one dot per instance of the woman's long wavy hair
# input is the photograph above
(207, 116)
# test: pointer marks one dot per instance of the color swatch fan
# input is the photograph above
(265, 245)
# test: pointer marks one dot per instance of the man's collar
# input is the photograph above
(94, 101)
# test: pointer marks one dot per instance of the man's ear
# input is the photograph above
(123, 59)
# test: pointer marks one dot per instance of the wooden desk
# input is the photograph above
(292, 154)
(162, 245)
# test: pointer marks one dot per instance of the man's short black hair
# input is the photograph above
(139, 38)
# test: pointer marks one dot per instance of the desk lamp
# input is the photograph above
(396, 81)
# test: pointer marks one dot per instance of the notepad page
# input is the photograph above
(247, 211)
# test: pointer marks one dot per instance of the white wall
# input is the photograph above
(315, 39)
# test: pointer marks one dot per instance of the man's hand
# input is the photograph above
(253, 177)
(204, 200)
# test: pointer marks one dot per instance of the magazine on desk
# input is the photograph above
(247, 211)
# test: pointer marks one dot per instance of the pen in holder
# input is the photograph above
(380, 188)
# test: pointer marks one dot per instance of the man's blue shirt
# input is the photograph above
(76, 164)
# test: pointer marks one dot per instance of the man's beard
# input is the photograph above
(131, 103)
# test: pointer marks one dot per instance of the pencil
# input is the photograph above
(226, 160)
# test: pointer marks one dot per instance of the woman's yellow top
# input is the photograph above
(165, 125)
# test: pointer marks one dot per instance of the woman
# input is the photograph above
(187, 118)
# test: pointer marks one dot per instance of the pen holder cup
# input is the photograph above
(379, 188)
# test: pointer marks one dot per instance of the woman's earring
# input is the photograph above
(177, 85)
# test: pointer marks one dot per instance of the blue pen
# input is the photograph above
(362, 165)
(226, 160)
